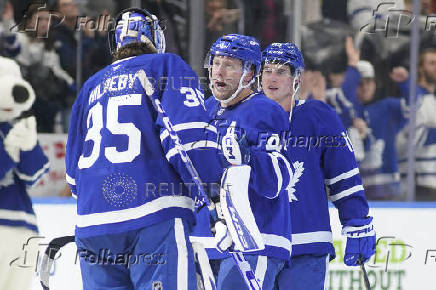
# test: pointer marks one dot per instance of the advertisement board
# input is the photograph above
(405, 258)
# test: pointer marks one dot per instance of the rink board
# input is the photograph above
(405, 258)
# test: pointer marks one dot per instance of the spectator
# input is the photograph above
(342, 96)
(41, 67)
(425, 133)
(98, 14)
(385, 118)
(265, 20)
(64, 35)
(221, 19)
(9, 46)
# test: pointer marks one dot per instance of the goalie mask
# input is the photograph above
(242, 47)
(137, 25)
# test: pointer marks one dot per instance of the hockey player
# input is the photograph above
(322, 156)
(253, 119)
(135, 198)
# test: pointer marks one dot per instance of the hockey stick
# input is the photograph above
(47, 261)
(242, 265)
(365, 275)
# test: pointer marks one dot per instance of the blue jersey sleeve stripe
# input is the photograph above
(278, 173)
(312, 237)
(186, 126)
(192, 145)
(18, 216)
(70, 180)
(146, 209)
(342, 176)
(346, 193)
(33, 178)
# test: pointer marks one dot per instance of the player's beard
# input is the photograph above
(223, 93)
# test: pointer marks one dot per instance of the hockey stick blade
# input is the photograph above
(49, 256)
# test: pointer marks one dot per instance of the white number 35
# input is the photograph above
(133, 133)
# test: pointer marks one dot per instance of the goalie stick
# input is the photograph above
(242, 265)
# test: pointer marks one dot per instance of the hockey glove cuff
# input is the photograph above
(361, 241)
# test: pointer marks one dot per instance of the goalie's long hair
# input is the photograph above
(132, 49)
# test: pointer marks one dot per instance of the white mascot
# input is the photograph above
(22, 163)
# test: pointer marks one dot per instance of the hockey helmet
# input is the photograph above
(284, 53)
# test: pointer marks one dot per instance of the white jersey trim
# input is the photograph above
(342, 176)
(269, 240)
(312, 237)
(16, 215)
(190, 125)
(182, 255)
(117, 216)
(426, 180)
(277, 241)
(69, 179)
(193, 145)
(381, 178)
(346, 193)
(34, 177)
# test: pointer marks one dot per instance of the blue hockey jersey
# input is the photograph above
(121, 162)
(425, 142)
(344, 99)
(15, 204)
(324, 169)
(379, 168)
(259, 118)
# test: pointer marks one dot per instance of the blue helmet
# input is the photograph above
(137, 25)
(285, 53)
(242, 47)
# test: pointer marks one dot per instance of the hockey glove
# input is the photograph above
(235, 148)
(223, 239)
(361, 241)
(22, 137)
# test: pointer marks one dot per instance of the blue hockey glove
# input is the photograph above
(235, 148)
(361, 241)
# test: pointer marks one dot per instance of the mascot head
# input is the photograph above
(16, 94)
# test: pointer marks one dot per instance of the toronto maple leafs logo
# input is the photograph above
(294, 179)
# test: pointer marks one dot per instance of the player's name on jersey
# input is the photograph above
(120, 82)
(113, 84)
